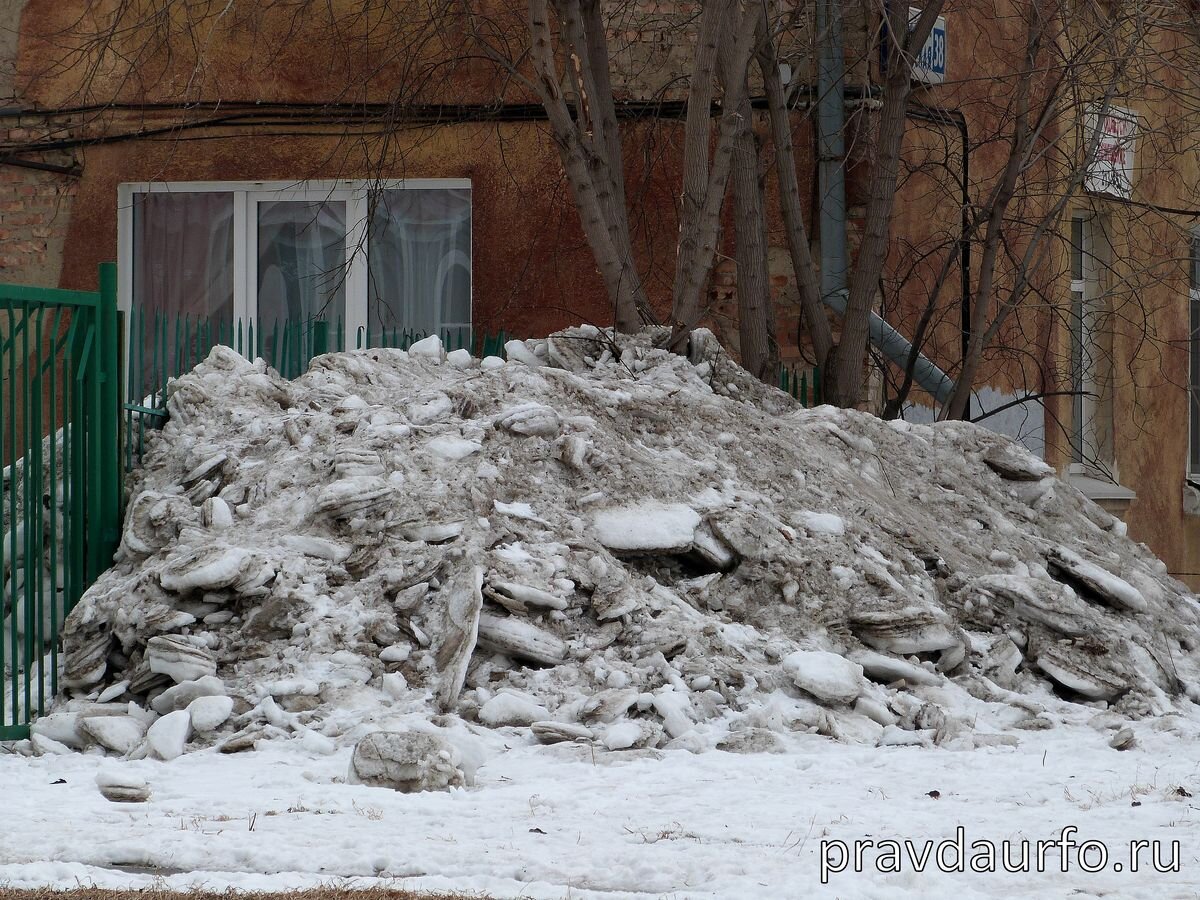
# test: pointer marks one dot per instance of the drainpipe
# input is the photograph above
(831, 119)
(896, 347)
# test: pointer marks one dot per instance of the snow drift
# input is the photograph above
(600, 541)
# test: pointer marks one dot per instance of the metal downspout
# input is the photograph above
(831, 109)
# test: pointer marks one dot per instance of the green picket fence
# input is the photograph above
(59, 410)
(803, 384)
(161, 347)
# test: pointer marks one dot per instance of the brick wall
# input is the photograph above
(35, 208)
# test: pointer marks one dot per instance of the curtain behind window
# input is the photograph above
(419, 261)
(182, 275)
(301, 276)
(301, 261)
(183, 254)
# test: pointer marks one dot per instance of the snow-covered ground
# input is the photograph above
(562, 822)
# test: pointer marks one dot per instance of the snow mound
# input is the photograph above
(606, 542)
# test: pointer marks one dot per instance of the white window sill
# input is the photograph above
(1191, 496)
(1098, 490)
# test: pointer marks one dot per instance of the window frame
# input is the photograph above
(1089, 433)
(246, 196)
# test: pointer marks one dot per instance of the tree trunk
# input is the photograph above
(700, 229)
(587, 163)
(756, 312)
(808, 282)
(696, 133)
(844, 373)
(589, 43)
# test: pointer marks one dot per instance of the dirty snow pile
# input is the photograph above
(601, 542)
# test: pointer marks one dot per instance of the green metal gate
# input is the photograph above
(59, 418)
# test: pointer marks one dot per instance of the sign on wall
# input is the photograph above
(1110, 171)
(930, 65)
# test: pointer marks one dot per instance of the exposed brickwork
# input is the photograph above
(35, 208)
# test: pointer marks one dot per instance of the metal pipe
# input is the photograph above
(896, 347)
(831, 116)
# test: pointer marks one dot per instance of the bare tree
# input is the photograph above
(1076, 65)
(567, 57)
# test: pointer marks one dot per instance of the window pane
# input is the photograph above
(301, 277)
(419, 262)
(182, 281)
(301, 260)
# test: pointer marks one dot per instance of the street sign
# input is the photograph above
(930, 65)
(1110, 170)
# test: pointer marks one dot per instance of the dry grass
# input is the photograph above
(160, 894)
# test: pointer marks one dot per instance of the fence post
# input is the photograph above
(320, 343)
(104, 491)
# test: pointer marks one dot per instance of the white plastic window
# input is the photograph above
(372, 259)
(1089, 443)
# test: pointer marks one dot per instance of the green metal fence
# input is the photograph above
(803, 384)
(161, 347)
(59, 415)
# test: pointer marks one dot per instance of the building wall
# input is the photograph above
(34, 206)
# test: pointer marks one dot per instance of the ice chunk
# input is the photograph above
(122, 787)
(819, 523)
(452, 448)
(510, 708)
(460, 358)
(181, 696)
(530, 419)
(1109, 587)
(516, 351)
(210, 569)
(518, 510)
(558, 732)
(397, 653)
(622, 735)
(166, 737)
(827, 676)
(405, 761)
(216, 514)
(210, 713)
(888, 668)
(429, 348)
(523, 640)
(120, 734)
(646, 526)
(395, 685)
(435, 409)
(179, 657)
(317, 547)
(350, 495)
(675, 707)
